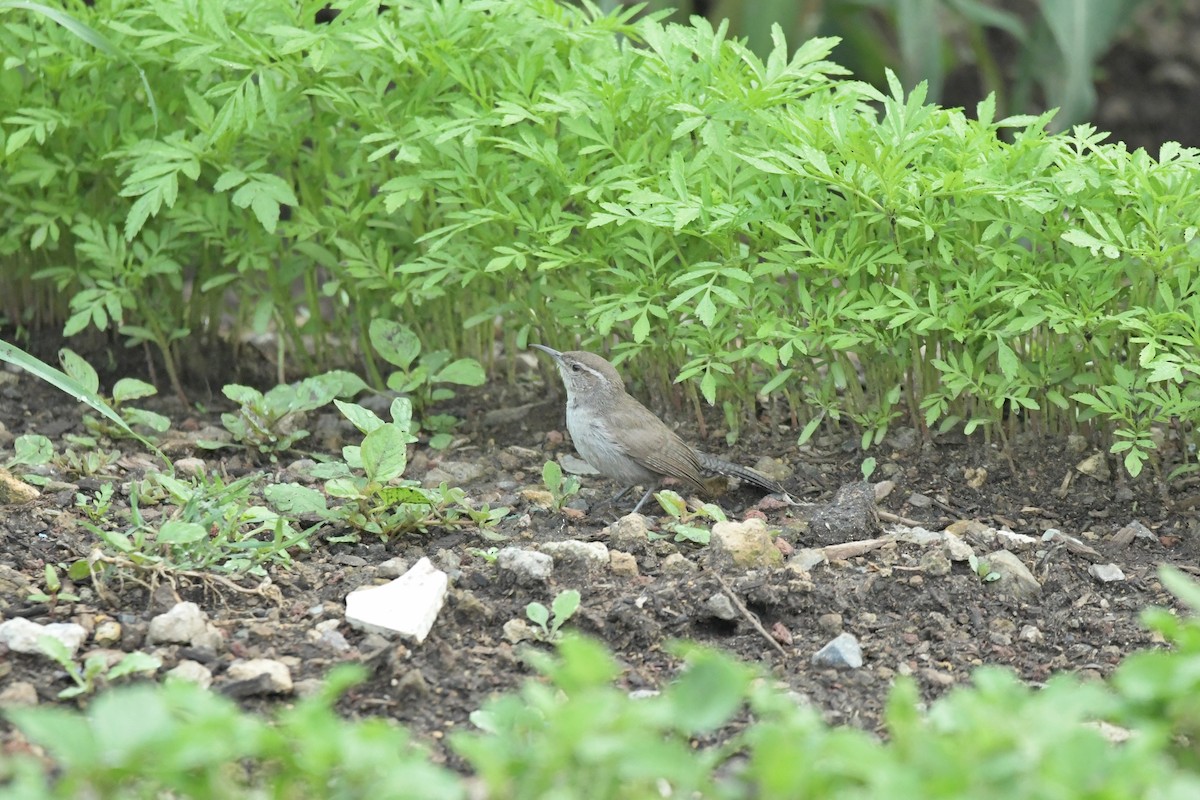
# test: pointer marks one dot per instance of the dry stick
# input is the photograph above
(888, 516)
(753, 620)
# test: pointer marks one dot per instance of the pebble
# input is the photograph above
(629, 533)
(517, 631)
(190, 467)
(1031, 634)
(625, 565)
(747, 544)
(107, 632)
(804, 559)
(1015, 577)
(408, 605)
(192, 672)
(392, 568)
(22, 635)
(274, 675)
(883, 489)
(526, 567)
(1095, 466)
(721, 607)
(830, 623)
(573, 551)
(18, 693)
(14, 491)
(454, 473)
(842, 652)
(183, 624)
(1106, 573)
(678, 564)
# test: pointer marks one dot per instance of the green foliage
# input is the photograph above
(400, 347)
(180, 740)
(207, 524)
(269, 424)
(83, 385)
(751, 227)
(96, 671)
(375, 498)
(683, 518)
(1161, 688)
(550, 620)
(562, 488)
(53, 590)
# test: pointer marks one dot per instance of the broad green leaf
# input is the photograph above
(179, 532)
(384, 453)
(396, 343)
(464, 371)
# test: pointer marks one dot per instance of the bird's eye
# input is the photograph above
(576, 368)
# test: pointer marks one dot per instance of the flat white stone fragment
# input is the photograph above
(22, 636)
(407, 606)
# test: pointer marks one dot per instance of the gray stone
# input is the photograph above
(274, 676)
(1015, 577)
(721, 607)
(527, 567)
(804, 559)
(18, 693)
(590, 554)
(392, 568)
(629, 533)
(842, 652)
(1106, 573)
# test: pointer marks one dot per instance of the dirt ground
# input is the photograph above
(912, 612)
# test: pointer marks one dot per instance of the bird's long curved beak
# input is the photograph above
(555, 354)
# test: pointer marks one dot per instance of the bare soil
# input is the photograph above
(909, 616)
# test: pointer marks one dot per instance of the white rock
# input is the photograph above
(804, 559)
(594, 554)
(842, 652)
(407, 606)
(22, 635)
(527, 566)
(1016, 541)
(278, 676)
(183, 623)
(1106, 573)
(192, 672)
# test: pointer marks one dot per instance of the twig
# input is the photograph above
(888, 516)
(753, 620)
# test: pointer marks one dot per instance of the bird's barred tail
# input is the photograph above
(720, 466)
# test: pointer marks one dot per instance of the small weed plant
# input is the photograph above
(561, 487)
(549, 621)
(683, 518)
(96, 671)
(374, 496)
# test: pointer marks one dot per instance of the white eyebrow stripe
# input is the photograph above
(589, 369)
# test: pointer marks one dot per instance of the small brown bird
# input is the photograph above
(624, 440)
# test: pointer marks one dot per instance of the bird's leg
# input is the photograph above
(645, 497)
